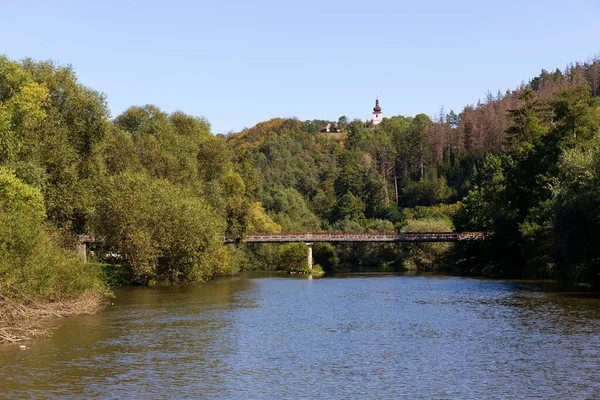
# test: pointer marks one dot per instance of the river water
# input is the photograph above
(343, 337)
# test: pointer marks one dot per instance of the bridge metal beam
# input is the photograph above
(333, 237)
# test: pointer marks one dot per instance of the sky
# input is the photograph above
(238, 63)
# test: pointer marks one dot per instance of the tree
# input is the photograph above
(33, 266)
(356, 133)
(351, 207)
(288, 208)
(575, 211)
(417, 141)
(163, 231)
(526, 124)
(574, 111)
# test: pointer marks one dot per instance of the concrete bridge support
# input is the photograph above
(310, 256)
(82, 250)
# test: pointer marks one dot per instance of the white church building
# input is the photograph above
(377, 115)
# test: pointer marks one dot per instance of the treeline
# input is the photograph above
(161, 192)
(390, 177)
(158, 189)
(540, 197)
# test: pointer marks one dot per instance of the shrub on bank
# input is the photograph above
(163, 231)
(37, 276)
(33, 265)
(425, 256)
(317, 271)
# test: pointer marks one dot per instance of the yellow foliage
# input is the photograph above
(260, 222)
(253, 137)
(17, 195)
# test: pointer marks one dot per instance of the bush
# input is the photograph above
(163, 231)
(293, 257)
(317, 271)
(33, 266)
(427, 191)
(425, 256)
(326, 255)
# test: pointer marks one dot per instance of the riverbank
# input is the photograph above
(28, 320)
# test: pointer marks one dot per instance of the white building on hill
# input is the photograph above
(377, 115)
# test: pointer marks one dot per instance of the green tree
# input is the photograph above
(526, 124)
(288, 208)
(33, 266)
(351, 207)
(356, 133)
(575, 210)
(164, 231)
(574, 111)
(416, 138)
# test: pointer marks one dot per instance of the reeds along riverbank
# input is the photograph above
(26, 320)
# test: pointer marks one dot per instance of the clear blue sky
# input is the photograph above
(241, 62)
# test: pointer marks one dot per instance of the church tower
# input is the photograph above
(377, 116)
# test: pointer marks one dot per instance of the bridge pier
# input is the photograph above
(82, 250)
(310, 256)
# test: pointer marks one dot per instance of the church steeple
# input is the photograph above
(377, 108)
(377, 116)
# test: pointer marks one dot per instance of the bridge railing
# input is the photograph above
(361, 237)
(333, 237)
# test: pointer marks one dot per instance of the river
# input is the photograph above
(352, 336)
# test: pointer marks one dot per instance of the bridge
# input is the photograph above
(334, 237)
(345, 237)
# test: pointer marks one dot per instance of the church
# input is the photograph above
(377, 115)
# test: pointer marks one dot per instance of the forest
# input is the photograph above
(162, 192)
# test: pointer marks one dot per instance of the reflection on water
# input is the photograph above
(373, 336)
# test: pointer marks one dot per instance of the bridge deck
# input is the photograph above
(333, 237)
(361, 237)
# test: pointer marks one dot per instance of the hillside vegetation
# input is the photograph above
(162, 192)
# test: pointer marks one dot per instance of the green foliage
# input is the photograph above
(485, 203)
(17, 196)
(539, 200)
(325, 255)
(22, 214)
(56, 136)
(576, 210)
(356, 134)
(116, 274)
(288, 208)
(275, 257)
(526, 123)
(164, 192)
(440, 211)
(317, 271)
(426, 256)
(293, 257)
(427, 191)
(164, 231)
(351, 207)
(260, 257)
(214, 158)
(356, 255)
(33, 266)
(574, 111)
